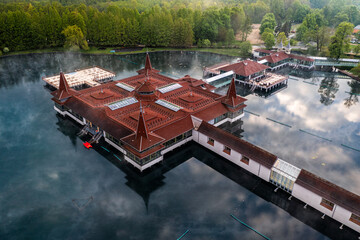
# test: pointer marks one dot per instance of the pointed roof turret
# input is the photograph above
(281, 45)
(147, 63)
(231, 93)
(288, 46)
(142, 139)
(148, 68)
(64, 91)
(141, 131)
(231, 99)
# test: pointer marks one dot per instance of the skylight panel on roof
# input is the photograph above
(286, 168)
(168, 105)
(169, 88)
(122, 103)
(125, 86)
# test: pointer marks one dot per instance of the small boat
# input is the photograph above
(87, 145)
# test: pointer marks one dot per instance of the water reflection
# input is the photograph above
(328, 88)
(147, 183)
(352, 99)
(43, 165)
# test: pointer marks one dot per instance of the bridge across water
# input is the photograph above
(330, 62)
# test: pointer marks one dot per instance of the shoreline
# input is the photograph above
(231, 52)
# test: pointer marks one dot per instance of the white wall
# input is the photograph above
(142, 168)
(115, 145)
(234, 156)
(342, 215)
(176, 145)
(310, 198)
(66, 113)
(264, 173)
(231, 120)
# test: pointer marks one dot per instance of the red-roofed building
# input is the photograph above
(275, 59)
(249, 73)
(246, 69)
(146, 115)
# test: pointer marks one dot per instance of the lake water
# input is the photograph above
(51, 187)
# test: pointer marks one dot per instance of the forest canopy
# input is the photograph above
(40, 24)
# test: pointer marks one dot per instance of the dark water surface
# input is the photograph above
(51, 187)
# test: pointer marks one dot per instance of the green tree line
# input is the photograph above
(26, 26)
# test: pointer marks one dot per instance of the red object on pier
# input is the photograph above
(87, 145)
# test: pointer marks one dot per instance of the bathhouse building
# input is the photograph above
(147, 115)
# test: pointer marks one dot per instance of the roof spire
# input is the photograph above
(63, 85)
(231, 93)
(141, 130)
(141, 108)
(147, 62)
(64, 91)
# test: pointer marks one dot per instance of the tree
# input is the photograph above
(322, 37)
(353, 13)
(237, 19)
(278, 9)
(269, 39)
(339, 18)
(311, 29)
(300, 11)
(281, 38)
(268, 21)
(301, 33)
(74, 38)
(245, 49)
(340, 41)
(183, 34)
(256, 11)
(245, 29)
(357, 49)
(204, 43)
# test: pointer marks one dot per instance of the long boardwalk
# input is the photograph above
(326, 197)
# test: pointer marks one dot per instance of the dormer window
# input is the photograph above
(146, 93)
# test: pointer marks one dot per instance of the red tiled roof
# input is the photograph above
(245, 68)
(98, 117)
(275, 57)
(330, 191)
(289, 55)
(301, 58)
(144, 153)
(146, 87)
(197, 83)
(177, 128)
(243, 147)
(212, 112)
(159, 123)
(142, 140)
